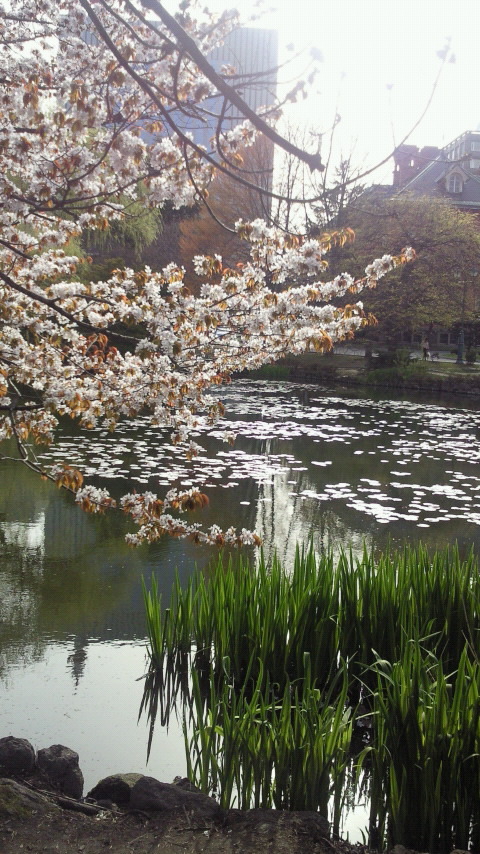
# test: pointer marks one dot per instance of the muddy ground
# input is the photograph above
(34, 822)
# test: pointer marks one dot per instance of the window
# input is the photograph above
(454, 183)
(443, 338)
(475, 164)
(475, 146)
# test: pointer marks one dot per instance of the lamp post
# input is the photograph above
(461, 334)
(474, 274)
(460, 345)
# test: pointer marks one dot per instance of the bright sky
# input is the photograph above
(380, 57)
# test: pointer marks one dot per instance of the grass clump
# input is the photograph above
(397, 374)
(262, 749)
(326, 608)
(423, 762)
(293, 683)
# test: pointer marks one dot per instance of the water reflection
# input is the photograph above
(339, 469)
(342, 469)
(98, 718)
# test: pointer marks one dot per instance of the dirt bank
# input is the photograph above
(33, 821)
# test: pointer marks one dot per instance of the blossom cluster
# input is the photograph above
(77, 138)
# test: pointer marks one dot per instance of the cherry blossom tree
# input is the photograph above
(96, 102)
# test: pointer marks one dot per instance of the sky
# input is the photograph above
(378, 69)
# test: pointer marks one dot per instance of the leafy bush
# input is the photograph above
(397, 375)
(398, 358)
(272, 372)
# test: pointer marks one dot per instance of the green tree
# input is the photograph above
(437, 291)
(129, 237)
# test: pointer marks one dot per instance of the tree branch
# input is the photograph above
(188, 44)
(80, 324)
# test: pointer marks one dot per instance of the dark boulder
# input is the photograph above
(17, 756)
(115, 788)
(149, 794)
(185, 783)
(59, 765)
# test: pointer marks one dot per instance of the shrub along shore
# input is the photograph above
(308, 687)
(388, 369)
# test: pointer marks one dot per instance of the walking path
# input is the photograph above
(357, 350)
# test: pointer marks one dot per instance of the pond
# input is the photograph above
(342, 468)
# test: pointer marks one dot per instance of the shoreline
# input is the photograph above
(341, 368)
(158, 817)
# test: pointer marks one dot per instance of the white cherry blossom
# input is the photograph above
(90, 106)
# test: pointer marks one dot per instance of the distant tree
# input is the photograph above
(288, 207)
(439, 289)
(338, 197)
(127, 237)
(312, 201)
(224, 203)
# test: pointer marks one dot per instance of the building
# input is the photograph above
(452, 172)
(410, 160)
(252, 55)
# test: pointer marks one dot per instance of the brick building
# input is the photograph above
(452, 172)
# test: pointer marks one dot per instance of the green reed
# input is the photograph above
(423, 762)
(254, 748)
(277, 672)
(348, 608)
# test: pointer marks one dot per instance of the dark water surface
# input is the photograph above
(341, 468)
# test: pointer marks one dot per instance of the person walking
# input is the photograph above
(425, 348)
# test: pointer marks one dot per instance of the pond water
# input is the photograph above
(342, 468)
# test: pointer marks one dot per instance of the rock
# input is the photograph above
(17, 756)
(18, 801)
(272, 824)
(59, 765)
(115, 788)
(400, 849)
(149, 794)
(185, 783)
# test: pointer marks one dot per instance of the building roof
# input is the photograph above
(455, 159)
